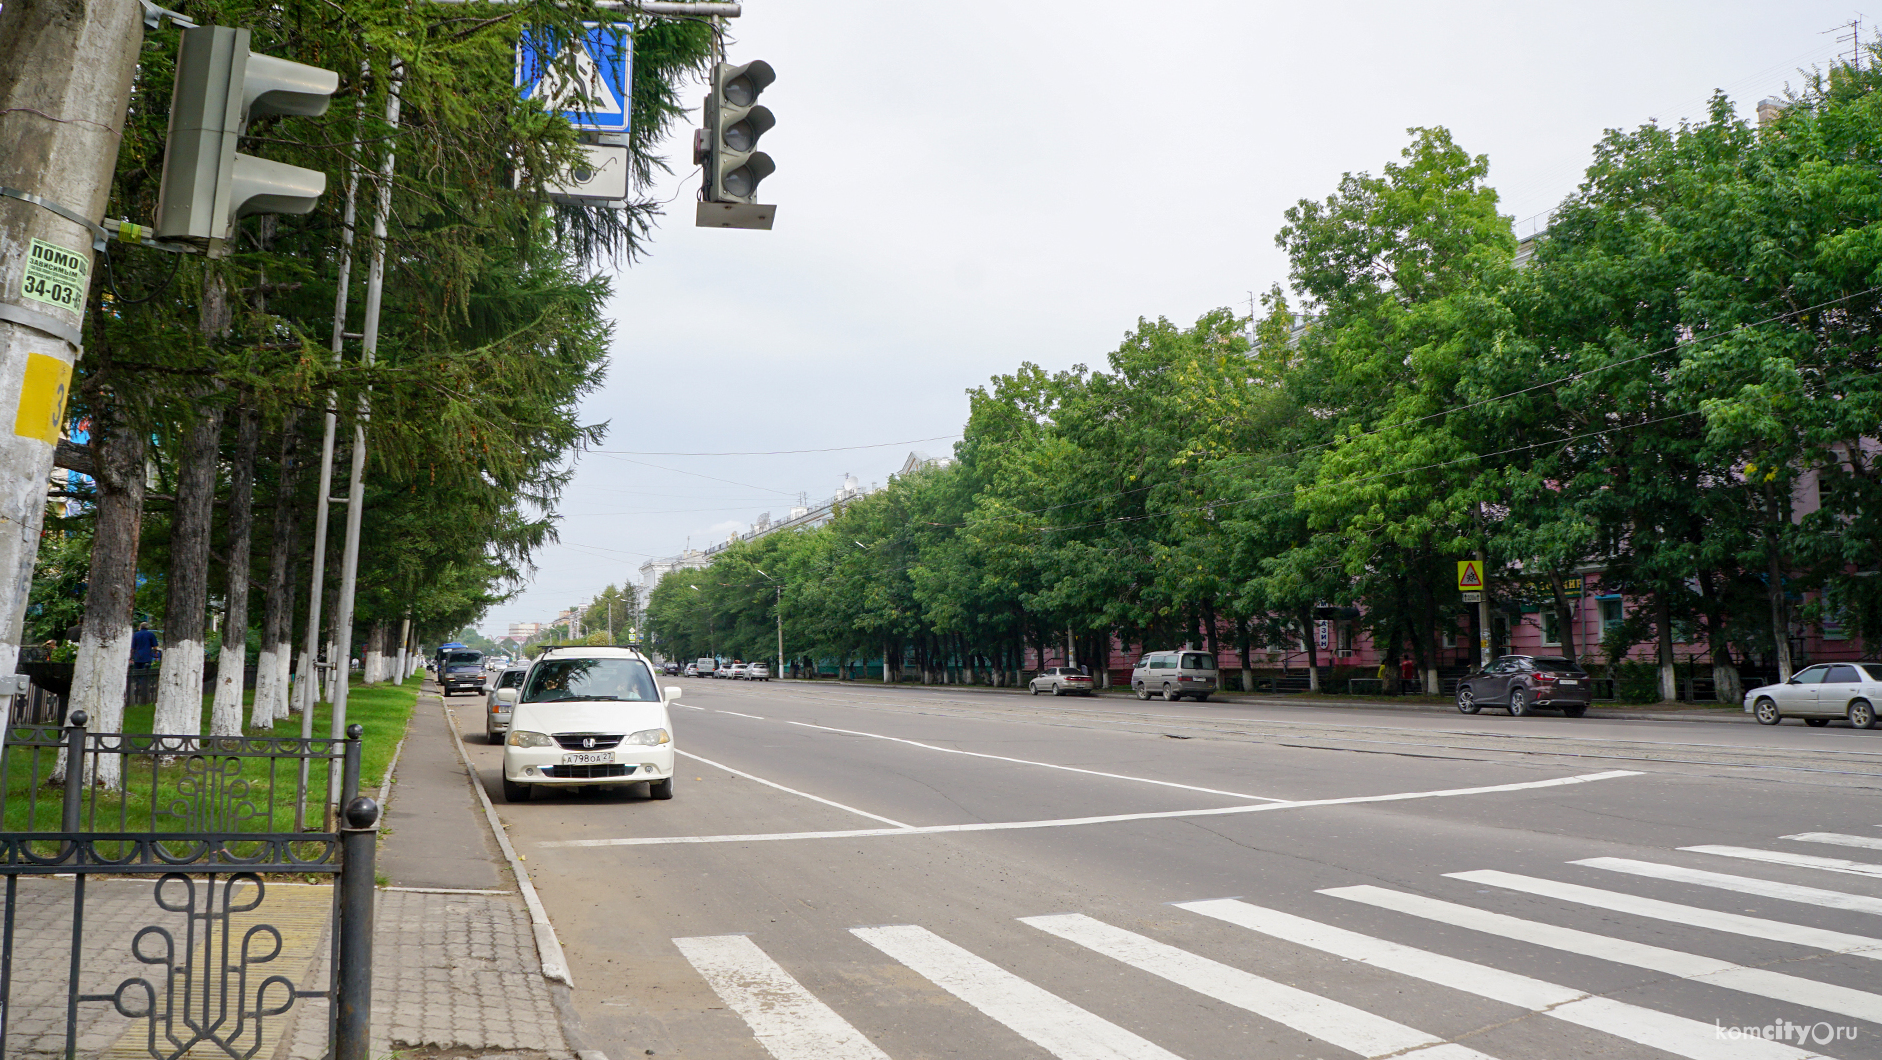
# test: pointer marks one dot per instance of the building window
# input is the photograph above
(1551, 630)
(1612, 613)
(1345, 639)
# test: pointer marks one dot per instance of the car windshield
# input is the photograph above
(463, 657)
(626, 680)
(1198, 662)
(1555, 666)
(511, 678)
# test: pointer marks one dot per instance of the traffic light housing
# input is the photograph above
(220, 87)
(734, 167)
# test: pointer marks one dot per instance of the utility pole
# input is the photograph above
(65, 81)
(356, 488)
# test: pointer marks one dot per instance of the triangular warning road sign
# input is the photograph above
(1469, 575)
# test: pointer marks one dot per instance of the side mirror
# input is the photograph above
(673, 692)
(506, 696)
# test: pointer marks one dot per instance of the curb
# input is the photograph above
(1726, 715)
(548, 948)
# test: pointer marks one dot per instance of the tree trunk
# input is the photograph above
(180, 686)
(1564, 617)
(225, 715)
(1313, 649)
(104, 649)
(1663, 621)
(1242, 647)
(373, 655)
(277, 620)
(1774, 586)
(1725, 682)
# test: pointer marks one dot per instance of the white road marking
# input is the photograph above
(1349, 1028)
(786, 1019)
(1756, 981)
(1867, 842)
(1065, 822)
(687, 706)
(767, 783)
(1029, 762)
(1803, 861)
(735, 713)
(1693, 916)
(1789, 892)
(1039, 1016)
(1658, 1030)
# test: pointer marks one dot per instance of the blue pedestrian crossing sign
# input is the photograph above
(588, 87)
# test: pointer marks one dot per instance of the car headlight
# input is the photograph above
(520, 738)
(650, 737)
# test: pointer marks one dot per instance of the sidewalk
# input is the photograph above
(1414, 704)
(456, 971)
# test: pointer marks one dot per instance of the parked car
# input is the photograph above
(1820, 693)
(1175, 674)
(671, 669)
(735, 672)
(463, 672)
(757, 672)
(707, 667)
(1063, 680)
(498, 702)
(589, 717)
(1522, 683)
(692, 670)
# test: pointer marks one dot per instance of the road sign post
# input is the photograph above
(1472, 583)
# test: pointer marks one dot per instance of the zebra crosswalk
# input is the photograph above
(1828, 1015)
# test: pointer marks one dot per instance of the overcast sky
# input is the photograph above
(961, 188)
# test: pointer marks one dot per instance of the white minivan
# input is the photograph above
(1175, 674)
(589, 717)
(706, 667)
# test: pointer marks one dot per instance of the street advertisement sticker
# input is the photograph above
(57, 277)
(42, 397)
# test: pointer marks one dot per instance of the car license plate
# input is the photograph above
(588, 758)
(1575, 681)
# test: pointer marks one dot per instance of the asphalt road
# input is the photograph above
(852, 872)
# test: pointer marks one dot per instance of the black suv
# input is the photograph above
(1522, 683)
(463, 671)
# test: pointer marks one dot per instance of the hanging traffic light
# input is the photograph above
(220, 87)
(728, 147)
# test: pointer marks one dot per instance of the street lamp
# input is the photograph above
(780, 614)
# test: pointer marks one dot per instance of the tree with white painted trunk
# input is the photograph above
(180, 680)
(225, 712)
(104, 651)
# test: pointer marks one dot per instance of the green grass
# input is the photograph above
(271, 784)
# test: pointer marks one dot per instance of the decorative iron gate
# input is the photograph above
(208, 823)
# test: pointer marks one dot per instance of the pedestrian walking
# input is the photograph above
(143, 647)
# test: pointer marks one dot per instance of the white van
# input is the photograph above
(1175, 674)
(707, 667)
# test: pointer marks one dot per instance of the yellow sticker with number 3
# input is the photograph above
(42, 398)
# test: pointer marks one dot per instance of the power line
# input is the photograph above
(784, 452)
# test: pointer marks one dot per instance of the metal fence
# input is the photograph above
(211, 819)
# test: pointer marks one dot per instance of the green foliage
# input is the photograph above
(1694, 335)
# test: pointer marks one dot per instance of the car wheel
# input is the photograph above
(1032, 688)
(514, 792)
(1862, 714)
(1816, 723)
(1519, 704)
(1766, 712)
(1142, 692)
(660, 789)
(1171, 695)
(1467, 701)
(1058, 690)
(1573, 712)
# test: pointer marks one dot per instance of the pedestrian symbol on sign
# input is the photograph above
(588, 83)
(1469, 574)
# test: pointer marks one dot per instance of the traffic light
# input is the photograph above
(220, 87)
(728, 150)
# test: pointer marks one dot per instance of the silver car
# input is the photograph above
(1820, 693)
(1175, 674)
(1063, 680)
(497, 704)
